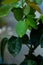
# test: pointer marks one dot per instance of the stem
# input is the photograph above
(30, 50)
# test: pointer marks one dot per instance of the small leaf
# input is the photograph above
(21, 28)
(3, 44)
(18, 13)
(4, 10)
(9, 1)
(41, 41)
(14, 45)
(30, 21)
(27, 10)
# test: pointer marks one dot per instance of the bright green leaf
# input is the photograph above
(4, 10)
(21, 28)
(14, 45)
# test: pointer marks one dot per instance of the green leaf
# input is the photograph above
(9, 1)
(21, 28)
(3, 44)
(27, 10)
(38, 1)
(28, 62)
(30, 21)
(4, 10)
(18, 13)
(14, 45)
(41, 41)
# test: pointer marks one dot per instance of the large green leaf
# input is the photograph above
(41, 41)
(27, 10)
(18, 13)
(3, 44)
(4, 10)
(21, 28)
(9, 1)
(28, 62)
(14, 45)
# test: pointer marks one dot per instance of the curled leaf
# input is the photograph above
(3, 44)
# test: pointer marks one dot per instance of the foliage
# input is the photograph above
(24, 13)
